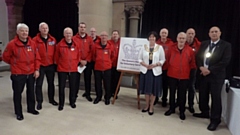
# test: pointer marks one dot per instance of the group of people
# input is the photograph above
(164, 66)
(33, 58)
(174, 67)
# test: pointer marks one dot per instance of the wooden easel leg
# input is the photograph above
(117, 89)
(138, 94)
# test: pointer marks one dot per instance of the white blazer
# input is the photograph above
(158, 56)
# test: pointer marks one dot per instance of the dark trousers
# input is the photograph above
(181, 87)
(49, 71)
(214, 87)
(18, 83)
(164, 86)
(104, 76)
(191, 87)
(62, 77)
(115, 78)
(87, 78)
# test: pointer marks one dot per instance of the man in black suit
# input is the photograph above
(212, 60)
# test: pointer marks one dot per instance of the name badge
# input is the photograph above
(105, 51)
(51, 43)
(29, 49)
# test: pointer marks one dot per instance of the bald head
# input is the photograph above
(190, 35)
(214, 33)
(163, 33)
(181, 39)
(104, 37)
(93, 32)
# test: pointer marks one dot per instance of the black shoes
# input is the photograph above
(39, 106)
(107, 102)
(89, 98)
(182, 116)
(84, 95)
(201, 115)
(191, 109)
(34, 112)
(213, 126)
(169, 112)
(19, 117)
(145, 110)
(96, 101)
(73, 105)
(53, 103)
(150, 113)
(60, 108)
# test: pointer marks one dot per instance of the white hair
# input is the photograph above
(42, 23)
(163, 30)
(22, 25)
(67, 28)
(182, 33)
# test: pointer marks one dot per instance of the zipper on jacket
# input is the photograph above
(103, 59)
(83, 49)
(69, 63)
(180, 64)
(28, 62)
(46, 46)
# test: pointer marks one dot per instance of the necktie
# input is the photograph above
(211, 46)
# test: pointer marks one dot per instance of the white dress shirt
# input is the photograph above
(206, 51)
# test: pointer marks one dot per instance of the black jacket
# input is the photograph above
(219, 59)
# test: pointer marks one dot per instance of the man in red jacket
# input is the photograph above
(96, 40)
(85, 43)
(95, 37)
(46, 47)
(23, 57)
(68, 57)
(180, 62)
(193, 42)
(115, 43)
(103, 55)
(166, 43)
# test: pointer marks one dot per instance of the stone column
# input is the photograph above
(14, 8)
(119, 17)
(134, 12)
(96, 13)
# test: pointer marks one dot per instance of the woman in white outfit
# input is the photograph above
(151, 59)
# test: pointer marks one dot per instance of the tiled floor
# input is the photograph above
(122, 118)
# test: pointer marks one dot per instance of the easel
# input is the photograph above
(118, 85)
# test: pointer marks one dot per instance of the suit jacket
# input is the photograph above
(219, 60)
